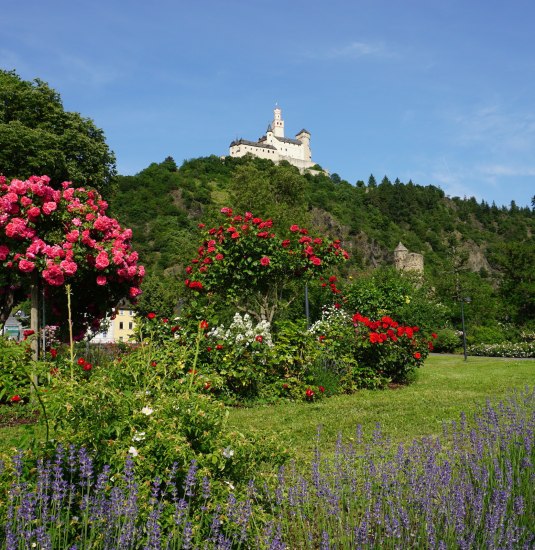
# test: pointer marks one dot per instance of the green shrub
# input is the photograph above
(153, 404)
(15, 365)
(485, 335)
(447, 341)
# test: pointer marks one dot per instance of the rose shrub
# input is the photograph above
(248, 262)
(63, 236)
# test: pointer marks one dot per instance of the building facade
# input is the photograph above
(120, 326)
(276, 147)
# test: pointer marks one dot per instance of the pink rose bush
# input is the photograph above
(60, 236)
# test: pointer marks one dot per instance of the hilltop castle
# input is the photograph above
(274, 146)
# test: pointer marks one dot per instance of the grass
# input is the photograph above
(446, 386)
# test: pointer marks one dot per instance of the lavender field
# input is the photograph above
(470, 488)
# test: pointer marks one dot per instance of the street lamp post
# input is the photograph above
(467, 299)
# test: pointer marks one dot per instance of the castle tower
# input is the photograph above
(278, 123)
(400, 255)
(304, 137)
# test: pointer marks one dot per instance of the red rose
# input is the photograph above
(203, 324)
(434, 335)
(417, 355)
(309, 393)
(151, 315)
(207, 385)
(87, 366)
(321, 389)
(28, 332)
(219, 346)
(259, 338)
(81, 361)
(15, 399)
(265, 261)
(153, 363)
(294, 228)
(174, 329)
(53, 352)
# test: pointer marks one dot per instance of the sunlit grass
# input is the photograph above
(446, 385)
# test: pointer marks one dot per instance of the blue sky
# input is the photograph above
(440, 92)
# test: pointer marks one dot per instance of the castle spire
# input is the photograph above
(278, 123)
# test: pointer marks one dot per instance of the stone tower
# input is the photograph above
(278, 123)
(400, 255)
(408, 261)
(304, 137)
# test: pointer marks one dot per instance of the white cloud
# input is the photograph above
(496, 128)
(495, 170)
(352, 50)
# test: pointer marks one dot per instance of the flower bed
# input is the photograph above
(507, 349)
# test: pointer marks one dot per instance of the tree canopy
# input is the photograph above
(37, 136)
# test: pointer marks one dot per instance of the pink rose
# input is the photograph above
(4, 251)
(49, 207)
(265, 261)
(54, 275)
(33, 212)
(69, 267)
(101, 280)
(72, 236)
(16, 228)
(102, 261)
(25, 266)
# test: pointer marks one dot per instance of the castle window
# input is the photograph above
(121, 325)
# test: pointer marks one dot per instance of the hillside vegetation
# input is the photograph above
(470, 248)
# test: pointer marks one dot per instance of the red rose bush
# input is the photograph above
(248, 261)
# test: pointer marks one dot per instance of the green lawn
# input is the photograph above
(446, 386)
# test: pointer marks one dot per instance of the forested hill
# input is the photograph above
(164, 204)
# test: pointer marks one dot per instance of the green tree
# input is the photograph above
(37, 136)
(517, 287)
